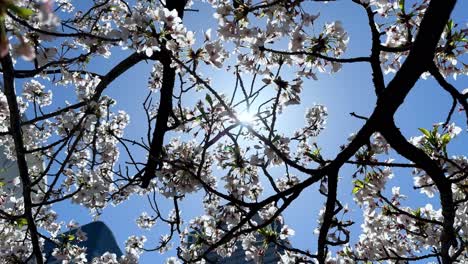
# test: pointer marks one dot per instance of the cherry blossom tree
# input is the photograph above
(70, 150)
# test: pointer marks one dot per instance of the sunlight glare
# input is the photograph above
(246, 117)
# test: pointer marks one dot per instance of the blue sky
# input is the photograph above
(350, 90)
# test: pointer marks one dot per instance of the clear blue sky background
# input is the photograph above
(348, 91)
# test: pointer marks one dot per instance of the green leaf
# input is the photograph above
(401, 5)
(228, 148)
(21, 11)
(450, 25)
(425, 132)
(356, 189)
(358, 185)
(315, 155)
(202, 111)
(2, 184)
(347, 252)
(316, 152)
(276, 138)
(417, 212)
(21, 222)
(311, 155)
(269, 234)
(445, 139)
(208, 99)
(367, 179)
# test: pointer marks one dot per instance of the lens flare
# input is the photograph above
(246, 117)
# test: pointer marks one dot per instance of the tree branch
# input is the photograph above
(15, 129)
(416, 155)
(165, 106)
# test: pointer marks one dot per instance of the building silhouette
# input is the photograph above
(100, 240)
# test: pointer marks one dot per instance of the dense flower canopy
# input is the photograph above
(230, 146)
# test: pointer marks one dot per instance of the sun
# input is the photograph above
(246, 117)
